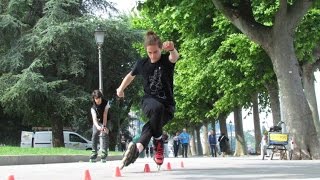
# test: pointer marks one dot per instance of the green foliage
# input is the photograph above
(308, 36)
(49, 63)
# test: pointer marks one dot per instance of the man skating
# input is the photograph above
(158, 104)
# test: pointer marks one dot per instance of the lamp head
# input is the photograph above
(99, 35)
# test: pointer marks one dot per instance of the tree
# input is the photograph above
(278, 41)
(49, 61)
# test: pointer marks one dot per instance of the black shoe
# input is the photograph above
(104, 156)
(130, 156)
(93, 156)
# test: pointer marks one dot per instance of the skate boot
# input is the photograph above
(104, 156)
(158, 149)
(93, 157)
(130, 156)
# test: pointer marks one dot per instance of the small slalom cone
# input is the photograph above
(87, 175)
(182, 165)
(146, 168)
(117, 173)
(11, 177)
(168, 166)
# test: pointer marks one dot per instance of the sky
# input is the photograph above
(127, 5)
(124, 5)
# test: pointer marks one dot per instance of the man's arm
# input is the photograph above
(105, 118)
(124, 84)
(94, 119)
(174, 55)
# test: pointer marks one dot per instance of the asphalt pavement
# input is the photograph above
(246, 168)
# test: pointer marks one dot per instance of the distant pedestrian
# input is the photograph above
(184, 138)
(165, 139)
(213, 143)
(123, 143)
(223, 140)
(176, 144)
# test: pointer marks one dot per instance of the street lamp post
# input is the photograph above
(230, 124)
(99, 37)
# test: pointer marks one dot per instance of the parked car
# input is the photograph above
(43, 139)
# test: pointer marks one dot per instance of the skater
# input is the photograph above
(99, 112)
(158, 103)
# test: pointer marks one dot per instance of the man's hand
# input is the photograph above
(120, 93)
(168, 46)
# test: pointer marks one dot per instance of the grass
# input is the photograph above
(18, 151)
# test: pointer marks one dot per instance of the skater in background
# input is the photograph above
(158, 104)
(99, 113)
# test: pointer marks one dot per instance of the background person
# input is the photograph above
(223, 140)
(99, 113)
(185, 139)
(213, 143)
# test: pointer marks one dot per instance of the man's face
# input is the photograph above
(154, 53)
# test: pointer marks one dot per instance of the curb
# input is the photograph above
(43, 159)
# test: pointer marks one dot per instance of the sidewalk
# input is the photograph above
(46, 159)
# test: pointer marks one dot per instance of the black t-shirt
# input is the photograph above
(157, 78)
(100, 109)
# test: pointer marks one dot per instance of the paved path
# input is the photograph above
(194, 168)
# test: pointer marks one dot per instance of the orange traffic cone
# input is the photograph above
(146, 168)
(87, 175)
(169, 166)
(11, 177)
(117, 173)
(182, 165)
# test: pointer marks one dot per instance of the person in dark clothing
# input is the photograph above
(158, 104)
(223, 140)
(213, 143)
(176, 144)
(123, 142)
(99, 112)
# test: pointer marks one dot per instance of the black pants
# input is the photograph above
(159, 115)
(175, 150)
(185, 150)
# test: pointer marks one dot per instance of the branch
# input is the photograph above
(297, 11)
(242, 17)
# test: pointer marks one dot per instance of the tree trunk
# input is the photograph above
(206, 149)
(256, 122)
(309, 91)
(241, 148)
(273, 91)
(57, 131)
(199, 145)
(295, 110)
(192, 143)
